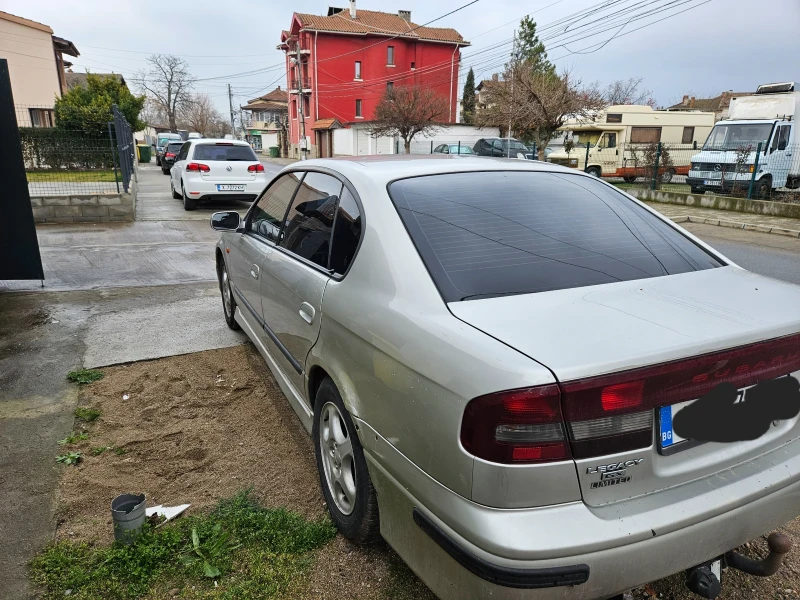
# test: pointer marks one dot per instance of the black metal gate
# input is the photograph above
(125, 147)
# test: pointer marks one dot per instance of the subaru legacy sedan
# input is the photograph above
(529, 383)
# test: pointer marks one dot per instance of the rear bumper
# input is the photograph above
(465, 550)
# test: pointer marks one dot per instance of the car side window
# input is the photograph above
(270, 210)
(184, 152)
(346, 233)
(309, 222)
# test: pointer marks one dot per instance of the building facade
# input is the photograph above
(340, 65)
(264, 120)
(36, 65)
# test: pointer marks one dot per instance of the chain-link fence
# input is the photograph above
(757, 171)
(70, 156)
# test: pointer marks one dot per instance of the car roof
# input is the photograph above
(383, 169)
(218, 141)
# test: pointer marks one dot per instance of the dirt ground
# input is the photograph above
(200, 427)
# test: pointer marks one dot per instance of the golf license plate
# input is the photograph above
(712, 182)
(229, 187)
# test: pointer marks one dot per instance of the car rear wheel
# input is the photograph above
(667, 175)
(164, 171)
(188, 203)
(342, 468)
(594, 171)
(228, 301)
(629, 179)
(175, 194)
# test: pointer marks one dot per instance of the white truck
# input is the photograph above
(618, 134)
(728, 159)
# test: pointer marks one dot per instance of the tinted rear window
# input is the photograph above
(174, 147)
(501, 233)
(223, 152)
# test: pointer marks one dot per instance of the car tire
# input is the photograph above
(165, 171)
(764, 188)
(667, 175)
(158, 162)
(188, 203)
(229, 305)
(342, 468)
(175, 194)
(629, 179)
(594, 171)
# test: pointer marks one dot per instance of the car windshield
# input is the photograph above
(222, 151)
(174, 147)
(580, 138)
(494, 233)
(164, 141)
(455, 149)
(732, 136)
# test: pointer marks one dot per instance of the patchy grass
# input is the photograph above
(98, 450)
(240, 550)
(76, 176)
(84, 376)
(74, 438)
(87, 414)
(70, 458)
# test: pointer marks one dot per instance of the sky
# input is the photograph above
(715, 45)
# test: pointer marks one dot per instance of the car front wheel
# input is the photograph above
(228, 301)
(342, 468)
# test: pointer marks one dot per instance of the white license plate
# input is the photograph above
(712, 182)
(229, 187)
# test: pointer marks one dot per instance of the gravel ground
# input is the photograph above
(200, 427)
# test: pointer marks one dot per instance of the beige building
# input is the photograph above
(36, 63)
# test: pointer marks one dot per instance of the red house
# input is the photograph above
(338, 67)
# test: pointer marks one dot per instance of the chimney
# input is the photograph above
(404, 14)
(691, 102)
(352, 9)
(279, 88)
(685, 100)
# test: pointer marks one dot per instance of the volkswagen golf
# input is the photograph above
(528, 382)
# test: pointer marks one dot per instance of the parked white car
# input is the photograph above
(211, 169)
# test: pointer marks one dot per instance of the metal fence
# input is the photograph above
(79, 154)
(749, 170)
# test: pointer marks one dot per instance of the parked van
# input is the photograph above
(728, 157)
(162, 139)
(618, 133)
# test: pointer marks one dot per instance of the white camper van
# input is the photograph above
(729, 158)
(617, 133)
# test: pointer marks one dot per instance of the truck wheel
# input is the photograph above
(764, 188)
(698, 190)
(629, 179)
(667, 175)
(594, 171)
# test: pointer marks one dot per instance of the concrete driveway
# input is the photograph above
(155, 202)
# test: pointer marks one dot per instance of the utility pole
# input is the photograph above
(302, 102)
(230, 103)
(510, 108)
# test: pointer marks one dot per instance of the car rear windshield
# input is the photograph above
(174, 146)
(495, 233)
(224, 152)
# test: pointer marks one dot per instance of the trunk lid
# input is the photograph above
(591, 331)
(232, 171)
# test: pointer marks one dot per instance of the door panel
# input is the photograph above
(246, 266)
(780, 155)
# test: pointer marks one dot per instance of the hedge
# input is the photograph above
(57, 149)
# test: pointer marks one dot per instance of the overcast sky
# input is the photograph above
(717, 45)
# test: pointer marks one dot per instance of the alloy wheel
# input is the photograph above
(336, 449)
(226, 293)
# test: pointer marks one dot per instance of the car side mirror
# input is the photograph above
(226, 221)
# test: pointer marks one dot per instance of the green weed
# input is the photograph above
(86, 414)
(98, 450)
(74, 438)
(70, 458)
(252, 552)
(119, 451)
(84, 376)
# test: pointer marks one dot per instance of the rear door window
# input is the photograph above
(492, 234)
(346, 233)
(222, 151)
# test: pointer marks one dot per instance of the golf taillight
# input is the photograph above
(516, 426)
(614, 413)
(198, 168)
(259, 168)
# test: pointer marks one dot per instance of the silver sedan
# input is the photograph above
(528, 382)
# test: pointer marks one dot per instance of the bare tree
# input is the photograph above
(628, 91)
(153, 113)
(536, 103)
(409, 111)
(168, 83)
(201, 116)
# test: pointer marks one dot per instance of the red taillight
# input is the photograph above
(169, 155)
(614, 413)
(198, 167)
(259, 168)
(516, 426)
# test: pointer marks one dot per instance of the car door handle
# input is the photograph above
(307, 312)
(255, 271)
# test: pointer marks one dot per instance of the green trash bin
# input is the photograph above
(144, 153)
(273, 151)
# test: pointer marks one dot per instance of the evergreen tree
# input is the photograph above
(529, 49)
(468, 100)
(88, 107)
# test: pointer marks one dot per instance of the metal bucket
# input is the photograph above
(127, 511)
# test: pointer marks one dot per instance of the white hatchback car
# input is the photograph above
(207, 169)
